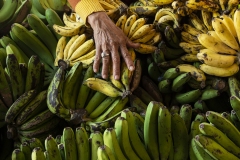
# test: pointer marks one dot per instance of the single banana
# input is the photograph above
(146, 48)
(191, 48)
(52, 148)
(188, 96)
(136, 77)
(214, 44)
(187, 37)
(66, 31)
(140, 32)
(96, 141)
(61, 44)
(129, 22)
(68, 45)
(191, 30)
(162, 2)
(69, 22)
(179, 81)
(146, 38)
(69, 142)
(228, 22)
(121, 21)
(197, 23)
(221, 72)
(83, 148)
(37, 154)
(25, 148)
(189, 58)
(224, 34)
(7, 10)
(236, 21)
(214, 34)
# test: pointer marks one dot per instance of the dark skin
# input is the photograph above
(110, 39)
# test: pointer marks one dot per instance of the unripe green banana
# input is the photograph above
(193, 132)
(201, 117)
(83, 148)
(165, 86)
(179, 81)
(199, 152)
(235, 104)
(25, 148)
(233, 84)
(164, 133)
(61, 150)
(17, 154)
(136, 102)
(69, 143)
(201, 105)
(96, 141)
(186, 115)
(38, 154)
(209, 93)
(180, 137)
(143, 95)
(35, 142)
(171, 73)
(188, 96)
(52, 148)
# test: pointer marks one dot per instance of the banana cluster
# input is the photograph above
(13, 12)
(222, 58)
(138, 30)
(219, 133)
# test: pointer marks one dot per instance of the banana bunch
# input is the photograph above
(79, 48)
(138, 30)
(181, 8)
(13, 12)
(141, 3)
(225, 37)
(128, 82)
(219, 133)
(71, 27)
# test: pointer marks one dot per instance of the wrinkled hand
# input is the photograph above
(111, 39)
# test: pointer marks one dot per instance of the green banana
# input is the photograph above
(209, 93)
(170, 73)
(201, 105)
(7, 10)
(71, 86)
(180, 137)
(158, 56)
(174, 109)
(217, 135)
(5, 87)
(61, 150)
(227, 115)
(84, 90)
(17, 154)
(143, 95)
(235, 102)
(20, 55)
(69, 142)
(199, 152)
(122, 133)
(164, 133)
(234, 119)
(25, 148)
(194, 130)
(188, 96)
(51, 147)
(38, 120)
(224, 125)
(38, 154)
(58, 138)
(43, 33)
(136, 102)
(5, 40)
(102, 153)
(139, 121)
(23, 68)
(135, 140)
(95, 101)
(96, 141)
(37, 105)
(151, 130)
(33, 77)
(110, 140)
(15, 76)
(58, 6)
(201, 117)
(171, 37)
(19, 105)
(165, 86)
(34, 43)
(179, 82)
(233, 84)
(35, 142)
(186, 114)
(154, 72)
(3, 55)
(82, 143)
(214, 149)
(102, 107)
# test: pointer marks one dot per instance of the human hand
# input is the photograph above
(110, 39)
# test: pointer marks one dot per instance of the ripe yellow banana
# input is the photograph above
(106, 5)
(214, 44)
(166, 11)
(136, 25)
(103, 86)
(228, 22)
(215, 59)
(207, 17)
(68, 45)
(60, 49)
(220, 72)
(141, 31)
(232, 4)
(156, 39)
(86, 56)
(146, 37)
(87, 62)
(191, 48)
(121, 21)
(191, 30)
(236, 21)
(77, 42)
(214, 34)
(146, 49)
(66, 31)
(195, 72)
(165, 18)
(189, 57)
(210, 6)
(198, 23)
(162, 2)
(130, 20)
(69, 22)
(82, 49)
(224, 34)
(187, 37)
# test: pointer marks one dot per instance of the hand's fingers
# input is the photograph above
(132, 44)
(116, 63)
(105, 65)
(127, 58)
(97, 59)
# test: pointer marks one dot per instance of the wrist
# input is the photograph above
(94, 17)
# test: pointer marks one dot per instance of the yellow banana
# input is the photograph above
(195, 72)
(224, 34)
(66, 31)
(162, 2)
(77, 42)
(82, 49)
(228, 22)
(146, 37)
(214, 44)
(220, 72)
(166, 11)
(106, 5)
(189, 57)
(191, 30)
(207, 17)
(191, 48)
(141, 31)
(184, 11)
(232, 4)
(146, 49)
(210, 6)
(60, 49)
(103, 86)
(121, 21)
(156, 39)
(86, 56)
(198, 23)
(176, 4)
(69, 22)
(136, 25)
(189, 38)
(214, 34)
(165, 18)
(87, 62)
(223, 4)
(215, 59)
(68, 45)
(130, 20)
(236, 21)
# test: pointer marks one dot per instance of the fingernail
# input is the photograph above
(131, 68)
(116, 77)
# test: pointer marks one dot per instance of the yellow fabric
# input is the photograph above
(86, 7)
